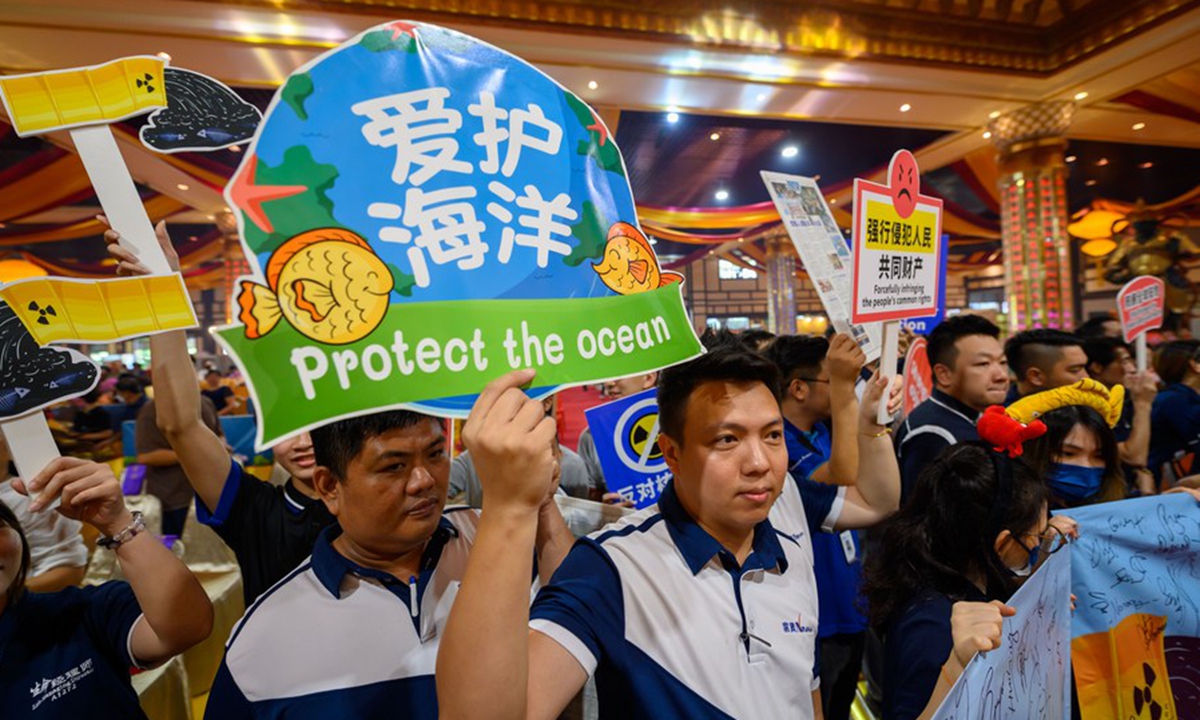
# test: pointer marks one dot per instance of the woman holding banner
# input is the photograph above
(975, 524)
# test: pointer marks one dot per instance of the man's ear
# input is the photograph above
(328, 487)
(797, 390)
(650, 380)
(1035, 377)
(670, 452)
(943, 375)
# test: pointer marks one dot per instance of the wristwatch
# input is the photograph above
(137, 525)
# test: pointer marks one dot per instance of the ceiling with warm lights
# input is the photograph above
(703, 95)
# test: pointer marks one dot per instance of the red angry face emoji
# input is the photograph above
(905, 182)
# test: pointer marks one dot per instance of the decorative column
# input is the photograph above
(1039, 280)
(781, 284)
(236, 265)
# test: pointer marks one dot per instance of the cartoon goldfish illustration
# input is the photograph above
(328, 283)
(629, 265)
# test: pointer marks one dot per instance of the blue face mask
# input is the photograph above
(1074, 482)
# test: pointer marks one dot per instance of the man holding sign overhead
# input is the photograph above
(699, 606)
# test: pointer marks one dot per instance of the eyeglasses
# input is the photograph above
(816, 380)
(1049, 542)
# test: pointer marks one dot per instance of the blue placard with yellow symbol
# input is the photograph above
(626, 436)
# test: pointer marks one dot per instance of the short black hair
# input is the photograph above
(213, 371)
(337, 444)
(727, 362)
(1031, 348)
(942, 339)
(757, 339)
(797, 356)
(1093, 327)
(1172, 360)
(130, 383)
(1103, 350)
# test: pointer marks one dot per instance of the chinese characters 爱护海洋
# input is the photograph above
(441, 226)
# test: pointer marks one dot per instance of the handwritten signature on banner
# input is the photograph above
(1028, 676)
(1136, 631)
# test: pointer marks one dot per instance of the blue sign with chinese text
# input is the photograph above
(626, 435)
(424, 212)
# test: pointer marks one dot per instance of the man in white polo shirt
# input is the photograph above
(354, 630)
(699, 606)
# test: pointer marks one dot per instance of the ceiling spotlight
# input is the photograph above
(987, 135)
(833, 201)
(790, 151)
(1146, 165)
(1101, 162)
(1090, 183)
(1081, 95)
(993, 114)
(742, 239)
(1139, 126)
(164, 56)
(722, 195)
(905, 107)
(181, 186)
(672, 117)
(715, 136)
(1070, 158)
(592, 85)
(235, 148)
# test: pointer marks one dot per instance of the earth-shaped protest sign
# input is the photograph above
(424, 212)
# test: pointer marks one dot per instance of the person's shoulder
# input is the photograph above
(924, 609)
(634, 528)
(464, 519)
(280, 609)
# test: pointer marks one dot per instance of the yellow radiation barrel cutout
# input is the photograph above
(60, 310)
(96, 95)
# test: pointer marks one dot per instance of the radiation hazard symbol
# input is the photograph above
(636, 438)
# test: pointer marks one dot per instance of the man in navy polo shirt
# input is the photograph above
(354, 630)
(970, 372)
(699, 606)
(819, 376)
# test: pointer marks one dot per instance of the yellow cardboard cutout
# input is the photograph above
(96, 95)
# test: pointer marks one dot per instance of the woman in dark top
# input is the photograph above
(936, 584)
(1078, 457)
(68, 654)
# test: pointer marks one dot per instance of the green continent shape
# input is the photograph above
(606, 156)
(298, 213)
(298, 89)
(592, 234)
(402, 282)
(381, 41)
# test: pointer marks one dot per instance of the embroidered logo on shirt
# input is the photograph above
(798, 626)
(50, 689)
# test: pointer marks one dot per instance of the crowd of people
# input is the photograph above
(798, 544)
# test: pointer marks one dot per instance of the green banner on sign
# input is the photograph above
(454, 348)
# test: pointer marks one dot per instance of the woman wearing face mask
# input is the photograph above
(975, 523)
(1078, 457)
(67, 654)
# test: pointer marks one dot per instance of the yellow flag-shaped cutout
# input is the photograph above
(96, 95)
(1122, 673)
(61, 310)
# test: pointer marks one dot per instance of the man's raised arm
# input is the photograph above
(483, 666)
(177, 391)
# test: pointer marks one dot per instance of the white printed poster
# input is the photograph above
(824, 251)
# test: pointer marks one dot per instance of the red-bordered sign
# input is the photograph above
(897, 246)
(918, 375)
(1141, 304)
